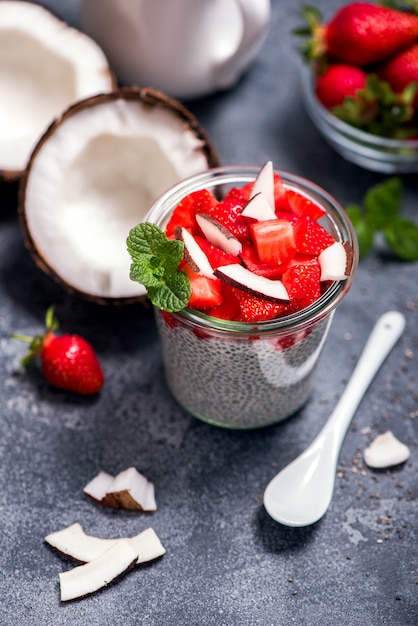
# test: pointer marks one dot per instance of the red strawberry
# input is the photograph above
(402, 70)
(302, 206)
(206, 292)
(67, 361)
(215, 255)
(255, 309)
(310, 237)
(337, 82)
(274, 241)
(280, 196)
(228, 213)
(252, 262)
(302, 283)
(361, 33)
(185, 212)
(229, 309)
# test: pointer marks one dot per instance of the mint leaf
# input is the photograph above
(402, 238)
(381, 213)
(155, 261)
(382, 202)
(364, 230)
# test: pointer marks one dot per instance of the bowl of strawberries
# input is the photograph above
(361, 84)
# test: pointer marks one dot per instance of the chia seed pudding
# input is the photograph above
(242, 374)
(239, 382)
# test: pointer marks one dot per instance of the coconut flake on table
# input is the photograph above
(128, 490)
(385, 451)
(46, 66)
(75, 543)
(85, 579)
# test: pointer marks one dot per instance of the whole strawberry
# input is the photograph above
(67, 361)
(401, 70)
(360, 33)
(337, 82)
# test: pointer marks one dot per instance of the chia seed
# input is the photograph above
(237, 381)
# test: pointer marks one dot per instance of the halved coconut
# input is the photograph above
(45, 66)
(93, 176)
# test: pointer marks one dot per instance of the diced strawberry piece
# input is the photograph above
(252, 262)
(287, 341)
(311, 237)
(254, 309)
(274, 241)
(169, 319)
(302, 282)
(228, 213)
(246, 191)
(229, 309)
(185, 212)
(238, 196)
(215, 255)
(206, 292)
(280, 196)
(301, 206)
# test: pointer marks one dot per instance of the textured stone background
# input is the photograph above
(227, 562)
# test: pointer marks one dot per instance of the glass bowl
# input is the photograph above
(379, 154)
(238, 374)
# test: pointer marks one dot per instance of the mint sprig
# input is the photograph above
(380, 213)
(155, 260)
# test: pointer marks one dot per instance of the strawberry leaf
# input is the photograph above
(401, 5)
(155, 261)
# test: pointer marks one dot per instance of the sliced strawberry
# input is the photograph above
(274, 241)
(311, 237)
(280, 196)
(254, 309)
(229, 309)
(301, 206)
(301, 280)
(228, 213)
(215, 255)
(185, 212)
(252, 262)
(206, 292)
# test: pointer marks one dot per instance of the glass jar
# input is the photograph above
(239, 374)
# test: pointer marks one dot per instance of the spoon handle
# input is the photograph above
(382, 339)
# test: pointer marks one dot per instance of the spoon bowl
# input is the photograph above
(300, 494)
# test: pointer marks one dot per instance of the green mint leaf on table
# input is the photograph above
(401, 236)
(364, 230)
(382, 203)
(380, 213)
(155, 261)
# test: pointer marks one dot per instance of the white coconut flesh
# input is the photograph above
(94, 176)
(75, 543)
(46, 65)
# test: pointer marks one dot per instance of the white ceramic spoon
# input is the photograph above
(300, 494)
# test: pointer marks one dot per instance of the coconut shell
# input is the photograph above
(147, 96)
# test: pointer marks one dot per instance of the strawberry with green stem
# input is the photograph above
(401, 72)
(359, 33)
(67, 361)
